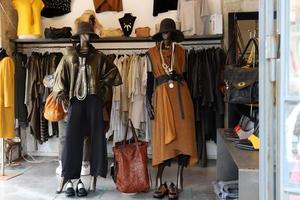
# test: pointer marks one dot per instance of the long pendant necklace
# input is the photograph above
(168, 68)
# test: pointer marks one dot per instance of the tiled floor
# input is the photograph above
(40, 182)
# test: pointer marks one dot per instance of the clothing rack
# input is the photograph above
(62, 47)
(114, 39)
(111, 46)
(59, 48)
(110, 43)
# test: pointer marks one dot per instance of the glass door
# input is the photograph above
(288, 183)
(268, 112)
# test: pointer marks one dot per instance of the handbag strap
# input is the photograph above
(252, 40)
(133, 133)
(233, 42)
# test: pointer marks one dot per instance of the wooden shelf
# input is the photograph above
(112, 39)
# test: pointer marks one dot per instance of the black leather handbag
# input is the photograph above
(242, 79)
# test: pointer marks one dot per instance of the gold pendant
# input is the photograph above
(171, 84)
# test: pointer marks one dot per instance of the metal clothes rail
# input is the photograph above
(117, 43)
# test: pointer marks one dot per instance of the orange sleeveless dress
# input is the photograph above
(172, 133)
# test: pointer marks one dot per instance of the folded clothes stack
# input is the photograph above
(228, 190)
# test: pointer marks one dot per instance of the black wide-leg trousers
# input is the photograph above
(85, 118)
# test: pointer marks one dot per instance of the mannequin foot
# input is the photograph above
(80, 189)
(173, 192)
(62, 183)
(70, 192)
(93, 184)
(161, 191)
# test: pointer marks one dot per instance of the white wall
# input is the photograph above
(142, 9)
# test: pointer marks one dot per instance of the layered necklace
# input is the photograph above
(168, 68)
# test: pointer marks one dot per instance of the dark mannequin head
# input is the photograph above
(167, 39)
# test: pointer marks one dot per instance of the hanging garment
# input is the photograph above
(33, 67)
(38, 66)
(204, 72)
(124, 87)
(191, 14)
(29, 17)
(137, 92)
(117, 127)
(20, 83)
(132, 95)
(54, 8)
(161, 6)
(108, 5)
(7, 73)
(173, 128)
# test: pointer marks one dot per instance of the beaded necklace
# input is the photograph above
(168, 68)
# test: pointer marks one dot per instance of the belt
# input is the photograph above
(177, 78)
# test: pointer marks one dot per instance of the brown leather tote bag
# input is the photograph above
(131, 171)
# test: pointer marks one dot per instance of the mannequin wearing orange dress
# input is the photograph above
(173, 128)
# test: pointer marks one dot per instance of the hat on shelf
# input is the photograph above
(85, 28)
(168, 25)
(55, 8)
(89, 16)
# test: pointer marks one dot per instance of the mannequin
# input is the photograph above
(127, 23)
(167, 44)
(81, 81)
(84, 49)
(173, 131)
